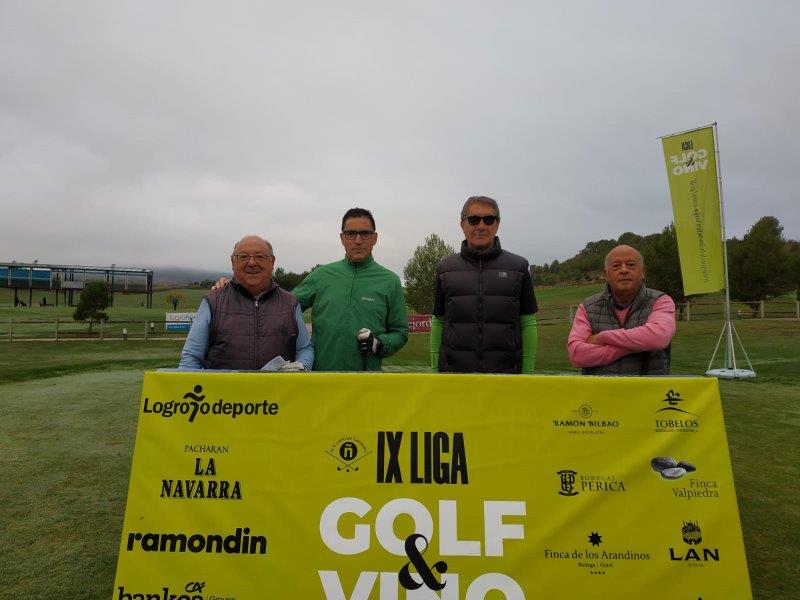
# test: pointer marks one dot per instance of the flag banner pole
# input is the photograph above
(695, 182)
(729, 370)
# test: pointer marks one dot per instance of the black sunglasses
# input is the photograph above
(487, 220)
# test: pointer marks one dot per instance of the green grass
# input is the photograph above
(69, 417)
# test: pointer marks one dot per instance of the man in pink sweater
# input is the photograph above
(626, 328)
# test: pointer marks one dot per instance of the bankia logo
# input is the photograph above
(191, 591)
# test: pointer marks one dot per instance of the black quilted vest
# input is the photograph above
(482, 332)
(246, 332)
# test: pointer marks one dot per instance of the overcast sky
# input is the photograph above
(158, 133)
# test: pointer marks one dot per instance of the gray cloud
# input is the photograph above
(156, 134)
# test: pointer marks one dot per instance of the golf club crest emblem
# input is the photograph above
(348, 452)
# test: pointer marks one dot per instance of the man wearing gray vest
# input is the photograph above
(626, 328)
(244, 325)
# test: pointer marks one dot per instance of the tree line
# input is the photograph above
(762, 264)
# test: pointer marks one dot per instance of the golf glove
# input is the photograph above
(368, 342)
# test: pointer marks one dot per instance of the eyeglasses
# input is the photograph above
(351, 234)
(245, 258)
(487, 220)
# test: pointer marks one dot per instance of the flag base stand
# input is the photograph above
(731, 373)
(730, 370)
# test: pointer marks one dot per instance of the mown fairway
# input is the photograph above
(69, 418)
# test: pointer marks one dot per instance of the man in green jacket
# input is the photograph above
(359, 309)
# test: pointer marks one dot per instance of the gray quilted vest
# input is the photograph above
(602, 318)
(246, 332)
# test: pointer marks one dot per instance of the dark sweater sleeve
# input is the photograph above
(527, 300)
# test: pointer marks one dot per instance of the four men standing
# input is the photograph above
(483, 317)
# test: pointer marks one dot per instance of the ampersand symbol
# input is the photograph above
(425, 572)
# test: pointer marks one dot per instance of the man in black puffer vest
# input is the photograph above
(484, 304)
(246, 324)
(626, 328)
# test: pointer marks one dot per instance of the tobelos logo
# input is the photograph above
(673, 399)
(425, 572)
(194, 403)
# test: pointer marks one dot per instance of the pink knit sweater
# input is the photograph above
(616, 343)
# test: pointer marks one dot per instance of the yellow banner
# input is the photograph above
(692, 172)
(419, 486)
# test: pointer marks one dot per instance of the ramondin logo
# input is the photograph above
(348, 451)
(194, 403)
(240, 542)
(164, 593)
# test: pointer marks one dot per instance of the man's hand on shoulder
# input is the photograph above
(368, 342)
(223, 281)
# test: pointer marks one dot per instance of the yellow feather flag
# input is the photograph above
(692, 174)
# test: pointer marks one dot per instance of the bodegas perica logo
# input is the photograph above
(348, 452)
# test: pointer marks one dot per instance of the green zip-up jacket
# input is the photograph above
(347, 296)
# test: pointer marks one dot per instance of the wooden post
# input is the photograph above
(11, 330)
(145, 330)
(570, 313)
(797, 308)
(688, 311)
(761, 309)
(102, 329)
(56, 338)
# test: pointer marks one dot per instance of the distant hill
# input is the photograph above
(182, 275)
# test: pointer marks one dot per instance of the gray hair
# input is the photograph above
(269, 246)
(480, 200)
